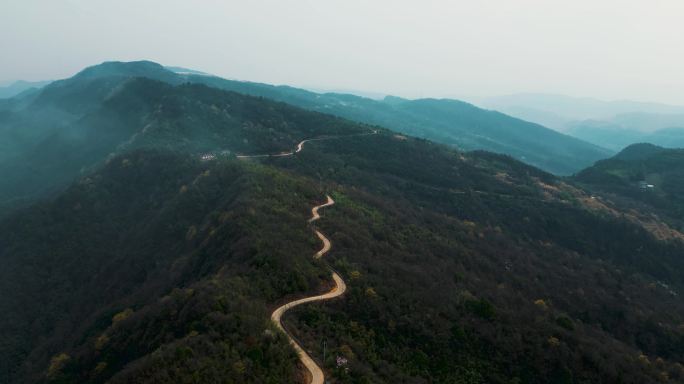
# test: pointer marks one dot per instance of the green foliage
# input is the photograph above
(627, 176)
(75, 125)
(161, 268)
(104, 259)
(450, 122)
(409, 229)
(565, 322)
(51, 136)
(481, 308)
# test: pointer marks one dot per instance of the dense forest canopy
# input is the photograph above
(74, 125)
(50, 136)
(642, 174)
(162, 260)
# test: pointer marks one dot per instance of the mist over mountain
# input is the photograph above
(615, 136)
(620, 131)
(49, 137)
(609, 124)
(447, 121)
(154, 219)
(17, 87)
(557, 110)
(330, 192)
(451, 122)
(75, 124)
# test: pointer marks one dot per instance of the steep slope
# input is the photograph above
(482, 260)
(642, 173)
(450, 122)
(77, 123)
(156, 252)
(459, 267)
(164, 260)
(39, 132)
(339, 288)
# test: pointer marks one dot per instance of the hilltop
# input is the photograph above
(161, 264)
(450, 122)
(643, 173)
(76, 124)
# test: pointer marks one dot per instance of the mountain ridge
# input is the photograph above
(206, 211)
(20, 86)
(557, 153)
(164, 258)
(467, 127)
(642, 174)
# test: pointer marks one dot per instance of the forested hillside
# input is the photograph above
(155, 252)
(452, 122)
(467, 270)
(52, 137)
(480, 257)
(163, 260)
(86, 112)
(642, 174)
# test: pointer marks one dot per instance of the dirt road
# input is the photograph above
(300, 146)
(314, 211)
(316, 373)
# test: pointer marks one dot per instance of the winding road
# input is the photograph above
(315, 371)
(316, 374)
(300, 146)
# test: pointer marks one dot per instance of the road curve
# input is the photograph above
(317, 376)
(314, 211)
(326, 245)
(316, 373)
(300, 146)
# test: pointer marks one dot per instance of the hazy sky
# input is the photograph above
(611, 49)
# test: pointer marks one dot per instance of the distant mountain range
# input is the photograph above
(156, 255)
(609, 124)
(40, 130)
(446, 121)
(50, 137)
(20, 86)
(555, 111)
(615, 136)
